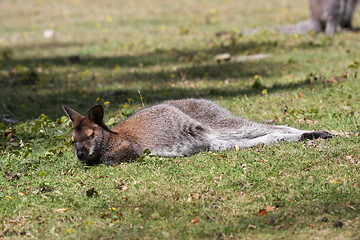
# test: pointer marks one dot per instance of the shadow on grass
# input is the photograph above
(155, 57)
(50, 104)
(27, 95)
(309, 213)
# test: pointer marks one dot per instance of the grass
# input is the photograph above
(104, 54)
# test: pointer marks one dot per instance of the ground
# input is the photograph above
(129, 54)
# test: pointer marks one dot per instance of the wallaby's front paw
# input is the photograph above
(109, 163)
(316, 134)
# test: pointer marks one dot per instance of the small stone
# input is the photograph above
(324, 219)
(338, 224)
(271, 221)
(278, 227)
(223, 57)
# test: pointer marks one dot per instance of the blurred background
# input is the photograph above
(81, 53)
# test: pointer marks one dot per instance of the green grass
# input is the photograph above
(106, 53)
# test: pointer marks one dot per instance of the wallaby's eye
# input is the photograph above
(91, 136)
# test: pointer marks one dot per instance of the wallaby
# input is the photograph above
(172, 128)
(329, 16)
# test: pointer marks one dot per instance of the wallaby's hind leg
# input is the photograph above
(248, 134)
(223, 142)
(279, 137)
(272, 138)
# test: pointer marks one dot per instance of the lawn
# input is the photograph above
(129, 54)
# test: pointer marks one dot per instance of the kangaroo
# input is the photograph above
(172, 128)
(329, 16)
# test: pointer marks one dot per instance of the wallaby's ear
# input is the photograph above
(73, 115)
(96, 114)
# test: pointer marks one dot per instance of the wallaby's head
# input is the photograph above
(88, 133)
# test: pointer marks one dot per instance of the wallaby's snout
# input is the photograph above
(81, 152)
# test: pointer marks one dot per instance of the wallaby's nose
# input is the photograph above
(80, 153)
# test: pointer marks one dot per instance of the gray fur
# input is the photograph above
(327, 16)
(180, 128)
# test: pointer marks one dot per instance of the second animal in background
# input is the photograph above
(329, 16)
